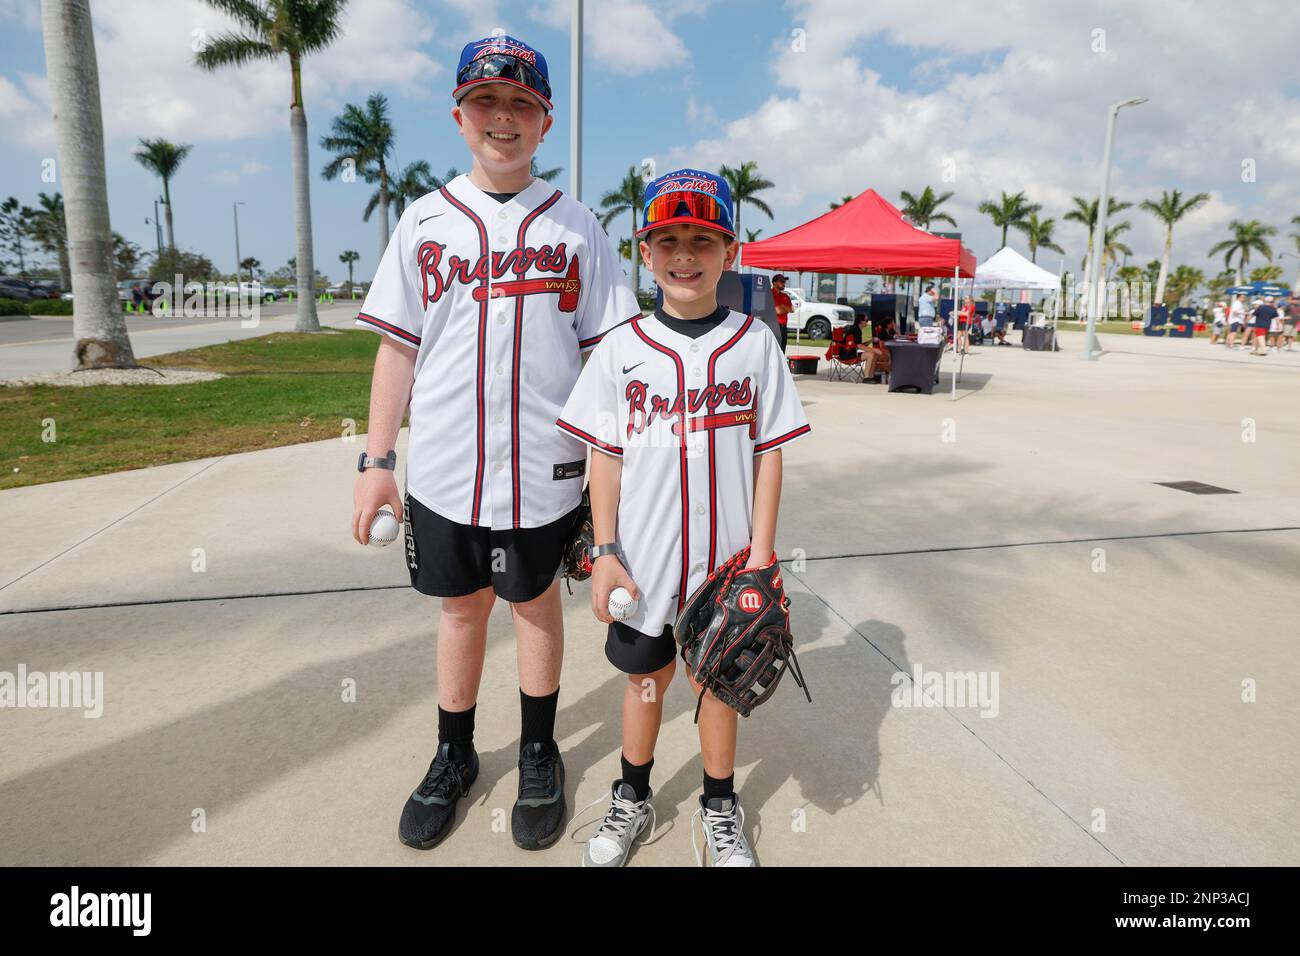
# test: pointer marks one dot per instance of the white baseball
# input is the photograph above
(622, 604)
(383, 529)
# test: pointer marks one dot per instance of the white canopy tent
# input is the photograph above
(1008, 269)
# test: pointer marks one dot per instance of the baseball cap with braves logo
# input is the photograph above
(503, 59)
(688, 196)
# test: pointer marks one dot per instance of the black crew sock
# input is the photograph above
(456, 727)
(537, 718)
(714, 788)
(638, 778)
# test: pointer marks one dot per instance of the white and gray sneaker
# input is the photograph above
(723, 822)
(624, 820)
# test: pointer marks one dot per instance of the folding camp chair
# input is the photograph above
(842, 369)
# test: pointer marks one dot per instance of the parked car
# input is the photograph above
(21, 290)
(253, 290)
(816, 319)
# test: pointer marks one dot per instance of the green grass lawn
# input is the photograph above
(282, 389)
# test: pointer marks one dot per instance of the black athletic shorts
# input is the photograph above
(447, 559)
(635, 653)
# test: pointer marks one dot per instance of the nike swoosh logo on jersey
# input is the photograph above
(627, 369)
(427, 218)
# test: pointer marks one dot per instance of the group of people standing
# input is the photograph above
(1269, 323)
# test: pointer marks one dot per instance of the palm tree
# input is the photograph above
(1038, 233)
(409, 184)
(1008, 211)
(363, 139)
(1112, 248)
(546, 175)
(293, 28)
(98, 329)
(163, 159)
(15, 227)
(1169, 208)
(1266, 274)
(1295, 237)
(251, 265)
(1184, 282)
(1129, 274)
(451, 174)
(746, 184)
(1247, 237)
(49, 230)
(923, 209)
(844, 201)
(629, 196)
(751, 235)
(348, 257)
(1085, 213)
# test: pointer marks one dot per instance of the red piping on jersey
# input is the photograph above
(781, 439)
(585, 344)
(515, 495)
(588, 438)
(482, 341)
(713, 478)
(684, 485)
(388, 327)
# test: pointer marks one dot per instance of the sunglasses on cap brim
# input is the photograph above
(701, 208)
(510, 69)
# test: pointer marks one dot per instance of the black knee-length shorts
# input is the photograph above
(447, 559)
(633, 652)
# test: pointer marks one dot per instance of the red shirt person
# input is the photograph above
(783, 306)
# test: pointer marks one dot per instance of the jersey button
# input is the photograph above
(695, 347)
(699, 509)
(502, 214)
(501, 370)
(502, 240)
(501, 319)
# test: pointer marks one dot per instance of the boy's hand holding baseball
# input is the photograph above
(607, 574)
(375, 488)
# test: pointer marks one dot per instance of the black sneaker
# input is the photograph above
(429, 811)
(538, 817)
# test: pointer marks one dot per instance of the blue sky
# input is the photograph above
(885, 95)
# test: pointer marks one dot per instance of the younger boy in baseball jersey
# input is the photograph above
(687, 411)
(490, 290)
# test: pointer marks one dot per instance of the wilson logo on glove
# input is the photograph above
(750, 600)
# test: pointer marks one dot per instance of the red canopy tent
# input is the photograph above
(864, 236)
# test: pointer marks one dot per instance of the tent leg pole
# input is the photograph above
(956, 278)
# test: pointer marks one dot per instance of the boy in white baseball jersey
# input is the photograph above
(490, 290)
(688, 411)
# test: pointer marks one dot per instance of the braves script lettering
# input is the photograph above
(436, 277)
(737, 394)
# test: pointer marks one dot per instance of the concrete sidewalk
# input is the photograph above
(1118, 733)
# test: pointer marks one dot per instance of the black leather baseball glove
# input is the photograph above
(734, 632)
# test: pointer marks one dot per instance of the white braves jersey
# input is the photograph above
(686, 499)
(500, 299)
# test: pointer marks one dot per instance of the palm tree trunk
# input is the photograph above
(1241, 279)
(383, 209)
(1164, 267)
(307, 321)
(98, 329)
(635, 256)
(167, 204)
(65, 270)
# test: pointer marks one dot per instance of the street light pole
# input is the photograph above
(157, 227)
(1096, 266)
(575, 123)
(235, 206)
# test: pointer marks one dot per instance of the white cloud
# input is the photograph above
(1014, 98)
(628, 37)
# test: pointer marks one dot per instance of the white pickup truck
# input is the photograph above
(816, 319)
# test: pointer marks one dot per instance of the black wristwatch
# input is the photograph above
(366, 461)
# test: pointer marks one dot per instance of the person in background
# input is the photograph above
(1218, 322)
(965, 316)
(1289, 317)
(781, 300)
(1236, 320)
(925, 310)
(1263, 315)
